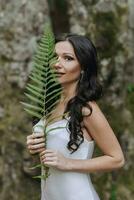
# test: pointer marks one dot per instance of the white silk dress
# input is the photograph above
(64, 185)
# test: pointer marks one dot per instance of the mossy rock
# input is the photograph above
(130, 98)
(107, 27)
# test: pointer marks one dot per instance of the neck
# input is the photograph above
(68, 91)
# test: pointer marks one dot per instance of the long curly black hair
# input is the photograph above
(88, 87)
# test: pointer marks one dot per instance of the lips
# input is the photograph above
(59, 73)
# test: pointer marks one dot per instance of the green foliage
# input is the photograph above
(43, 89)
(61, 4)
(113, 192)
(130, 99)
(106, 36)
(115, 119)
(130, 88)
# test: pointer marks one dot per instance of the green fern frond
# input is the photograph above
(33, 113)
(35, 99)
(33, 107)
(33, 87)
(36, 166)
(38, 71)
(41, 176)
(52, 86)
(40, 83)
(43, 90)
(51, 106)
(36, 93)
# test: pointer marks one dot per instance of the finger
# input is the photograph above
(49, 163)
(39, 140)
(36, 135)
(35, 141)
(33, 136)
(50, 151)
(38, 146)
(41, 149)
(30, 142)
(33, 151)
(48, 156)
(42, 153)
(52, 159)
(36, 151)
(30, 137)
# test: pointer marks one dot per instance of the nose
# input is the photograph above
(58, 63)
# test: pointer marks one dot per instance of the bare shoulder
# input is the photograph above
(94, 115)
(98, 126)
(95, 120)
(102, 133)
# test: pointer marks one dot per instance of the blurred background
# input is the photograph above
(110, 24)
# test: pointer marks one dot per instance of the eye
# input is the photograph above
(55, 55)
(68, 58)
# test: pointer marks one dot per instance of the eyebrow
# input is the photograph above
(66, 53)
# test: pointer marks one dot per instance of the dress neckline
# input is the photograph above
(56, 121)
(88, 141)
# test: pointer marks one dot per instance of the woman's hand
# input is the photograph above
(36, 143)
(54, 158)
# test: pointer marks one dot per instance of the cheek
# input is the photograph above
(74, 70)
(75, 73)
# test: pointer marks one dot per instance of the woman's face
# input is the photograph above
(67, 67)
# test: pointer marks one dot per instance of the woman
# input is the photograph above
(69, 150)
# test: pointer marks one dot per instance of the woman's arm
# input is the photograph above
(103, 135)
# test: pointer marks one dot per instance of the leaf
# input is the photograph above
(27, 105)
(36, 93)
(35, 99)
(40, 83)
(53, 86)
(37, 76)
(54, 91)
(52, 105)
(34, 87)
(34, 114)
(40, 177)
(36, 166)
(38, 71)
(43, 89)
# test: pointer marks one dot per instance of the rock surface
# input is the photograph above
(21, 25)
